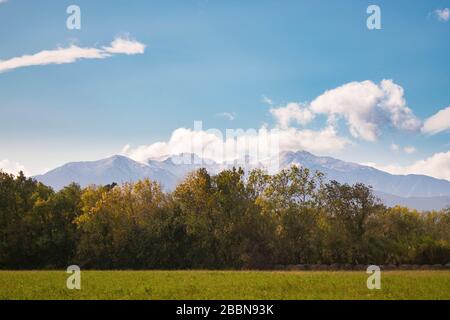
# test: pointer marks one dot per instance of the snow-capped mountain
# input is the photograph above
(416, 191)
(117, 169)
(181, 165)
(346, 172)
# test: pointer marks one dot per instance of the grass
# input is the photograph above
(156, 285)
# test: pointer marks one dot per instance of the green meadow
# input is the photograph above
(157, 285)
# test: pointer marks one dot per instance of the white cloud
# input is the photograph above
(367, 106)
(409, 150)
(438, 166)
(229, 115)
(292, 112)
(438, 122)
(3, 1)
(11, 167)
(443, 14)
(322, 141)
(125, 45)
(72, 54)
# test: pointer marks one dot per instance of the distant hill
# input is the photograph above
(418, 203)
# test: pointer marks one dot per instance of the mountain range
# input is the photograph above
(415, 191)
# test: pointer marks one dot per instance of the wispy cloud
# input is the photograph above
(443, 14)
(120, 45)
(229, 115)
(395, 147)
(267, 100)
(438, 122)
(3, 1)
(409, 149)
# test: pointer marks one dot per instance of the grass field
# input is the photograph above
(224, 285)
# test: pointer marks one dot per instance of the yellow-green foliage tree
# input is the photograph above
(231, 220)
(130, 226)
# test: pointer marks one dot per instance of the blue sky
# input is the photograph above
(204, 58)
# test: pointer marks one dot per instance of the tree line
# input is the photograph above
(232, 220)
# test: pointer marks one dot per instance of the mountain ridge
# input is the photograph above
(417, 191)
(383, 181)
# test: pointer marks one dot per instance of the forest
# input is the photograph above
(231, 220)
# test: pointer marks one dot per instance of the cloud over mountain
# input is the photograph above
(437, 165)
(11, 167)
(366, 107)
(212, 144)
